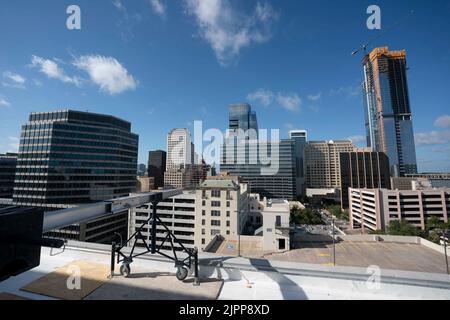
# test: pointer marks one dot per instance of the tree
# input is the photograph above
(305, 216)
(402, 228)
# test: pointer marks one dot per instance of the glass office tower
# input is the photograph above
(389, 125)
(242, 117)
(300, 137)
(72, 157)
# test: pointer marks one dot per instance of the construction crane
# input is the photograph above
(364, 47)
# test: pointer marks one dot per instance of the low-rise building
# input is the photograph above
(178, 215)
(373, 209)
(221, 210)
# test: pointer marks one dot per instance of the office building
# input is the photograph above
(267, 167)
(363, 170)
(242, 117)
(182, 168)
(177, 213)
(157, 166)
(373, 209)
(221, 210)
(67, 158)
(322, 163)
(389, 124)
(145, 184)
(8, 164)
(300, 137)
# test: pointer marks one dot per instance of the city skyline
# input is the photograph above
(285, 74)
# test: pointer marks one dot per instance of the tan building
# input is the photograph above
(145, 184)
(322, 163)
(373, 209)
(221, 210)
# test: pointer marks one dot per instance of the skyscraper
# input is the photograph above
(322, 163)
(157, 166)
(73, 157)
(182, 169)
(67, 158)
(242, 117)
(389, 125)
(300, 137)
(365, 170)
(8, 164)
(244, 156)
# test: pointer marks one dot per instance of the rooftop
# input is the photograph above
(222, 277)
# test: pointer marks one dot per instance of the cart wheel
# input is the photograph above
(125, 270)
(182, 273)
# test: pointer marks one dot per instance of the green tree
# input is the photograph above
(402, 228)
(305, 216)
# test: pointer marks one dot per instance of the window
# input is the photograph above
(203, 222)
(228, 232)
(215, 232)
(215, 203)
(215, 223)
(228, 214)
(215, 193)
(215, 213)
(203, 241)
(228, 204)
(203, 213)
(203, 231)
(228, 223)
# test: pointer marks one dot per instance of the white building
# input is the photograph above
(177, 213)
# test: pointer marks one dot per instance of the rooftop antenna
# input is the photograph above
(363, 48)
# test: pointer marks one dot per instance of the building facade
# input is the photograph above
(242, 117)
(373, 209)
(183, 170)
(300, 137)
(67, 158)
(8, 164)
(363, 170)
(157, 166)
(221, 210)
(178, 215)
(322, 163)
(388, 115)
(269, 168)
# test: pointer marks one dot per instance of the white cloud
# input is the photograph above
(432, 138)
(291, 102)
(357, 139)
(13, 80)
(107, 73)
(4, 103)
(229, 31)
(349, 91)
(52, 70)
(14, 144)
(158, 6)
(315, 97)
(443, 122)
(264, 97)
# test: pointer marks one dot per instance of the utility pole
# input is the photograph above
(334, 243)
(444, 238)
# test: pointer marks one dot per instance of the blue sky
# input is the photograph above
(178, 61)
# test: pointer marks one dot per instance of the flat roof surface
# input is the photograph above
(239, 278)
(394, 256)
